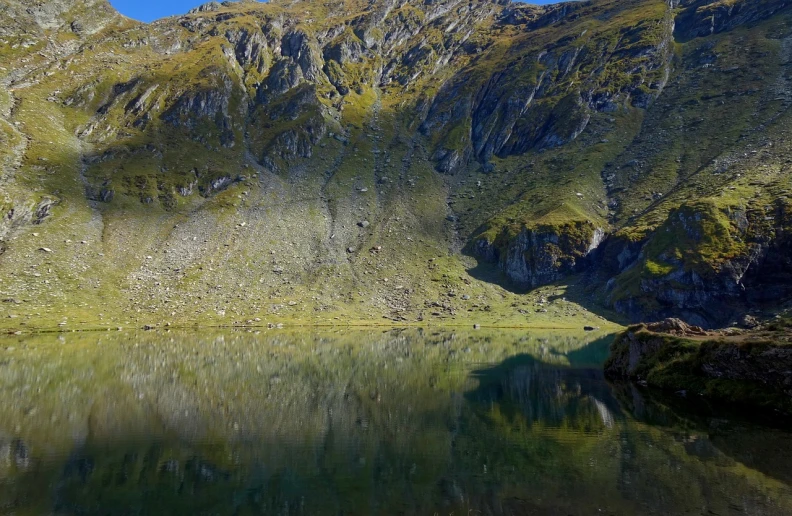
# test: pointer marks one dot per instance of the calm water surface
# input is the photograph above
(364, 422)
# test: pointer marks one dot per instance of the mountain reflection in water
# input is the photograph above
(363, 422)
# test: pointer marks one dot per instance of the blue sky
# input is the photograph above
(148, 10)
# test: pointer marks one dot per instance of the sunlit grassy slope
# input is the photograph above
(355, 161)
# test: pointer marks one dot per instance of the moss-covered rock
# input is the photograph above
(531, 256)
(706, 262)
(752, 371)
(702, 18)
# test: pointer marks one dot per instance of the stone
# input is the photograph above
(674, 326)
(364, 224)
(749, 322)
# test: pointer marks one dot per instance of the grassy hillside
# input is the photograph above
(402, 162)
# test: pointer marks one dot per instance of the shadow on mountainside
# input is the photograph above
(573, 288)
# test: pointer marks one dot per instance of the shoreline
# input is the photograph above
(607, 327)
(752, 369)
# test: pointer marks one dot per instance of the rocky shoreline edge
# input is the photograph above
(751, 369)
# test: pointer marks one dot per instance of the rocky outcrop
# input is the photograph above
(306, 123)
(208, 7)
(22, 214)
(753, 370)
(542, 103)
(705, 17)
(540, 255)
(250, 48)
(298, 47)
(194, 111)
(632, 349)
(706, 264)
(80, 17)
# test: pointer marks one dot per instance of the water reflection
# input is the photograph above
(573, 397)
(396, 422)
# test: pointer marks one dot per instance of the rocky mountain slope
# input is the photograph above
(412, 159)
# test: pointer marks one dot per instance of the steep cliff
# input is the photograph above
(356, 159)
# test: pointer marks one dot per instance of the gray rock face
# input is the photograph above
(708, 302)
(297, 46)
(511, 115)
(206, 8)
(25, 214)
(196, 108)
(280, 57)
(250, 49)
(541, 255)
(704, 17)
(703, 290)
(83, 17)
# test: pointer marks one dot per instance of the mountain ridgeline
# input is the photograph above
(410, 159)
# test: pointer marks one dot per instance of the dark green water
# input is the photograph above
(364, 422)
